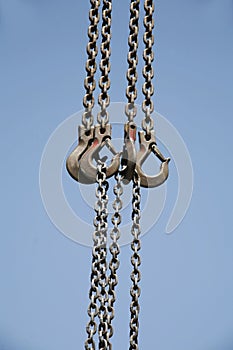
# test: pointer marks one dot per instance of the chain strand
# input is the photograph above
(105, 67)
(98, 294)
(114, 250)
(102, 209)
(136, 262)
(148, 71)
(91, 66)
(132, 76)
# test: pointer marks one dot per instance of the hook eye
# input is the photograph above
(129, 154)
(72, 162)
(87, 170)
(146, 147)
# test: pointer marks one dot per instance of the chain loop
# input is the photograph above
(148, 71)
(135, 261)
(132, 76)
(91, 66)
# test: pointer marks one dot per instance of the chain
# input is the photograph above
(136, 262)
(102, 217)
(93, 296)
(105, 67)
(131, 91)
(99, 280)
(148, 72)
(91, 66)
(114, 250)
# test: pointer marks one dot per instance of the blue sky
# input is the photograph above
(187, 282)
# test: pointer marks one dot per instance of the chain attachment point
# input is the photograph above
(87, 170)
(129, 154)
(148, 145)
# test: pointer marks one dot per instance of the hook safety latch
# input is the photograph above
(129, 154)
(87, 170)
(72, 162)
(146, 147)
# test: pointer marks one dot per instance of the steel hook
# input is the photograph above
(72, 162)
(129, 154)
(87, 170)
(146, 147)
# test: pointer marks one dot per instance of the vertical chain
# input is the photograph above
(148, 71)
(98, 293)
(93, 296)
(105, 67)
(91, 66)
(114, 250)
(102, 209)
(132, 76)
(136, 262)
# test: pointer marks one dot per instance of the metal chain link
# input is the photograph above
(136, 262)
(114, 250)
(132, 76)
(91, 66)
(105, 67)
(148, 71)
(98, 292)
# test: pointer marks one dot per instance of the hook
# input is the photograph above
(129, 155)
(72, 162)
(146, 146)
(87, 170)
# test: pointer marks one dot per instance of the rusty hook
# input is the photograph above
(129, 154)
(72, 162)
(87, 170)
(146, 147)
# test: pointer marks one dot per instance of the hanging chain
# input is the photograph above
(93, 308)
(148, 71)
(114, 250)
(132, 76)
(105, 67)
(101, 209)
(136, 262)
(91, 66)
(98, 291)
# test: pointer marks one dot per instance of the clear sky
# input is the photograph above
(187, 278)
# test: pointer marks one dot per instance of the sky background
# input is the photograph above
(187, 278)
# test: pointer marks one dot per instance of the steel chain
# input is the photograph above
(98, 292)
(101, 209)
(102, 292)
(132, 76)
(114, 250)
(136, 262)
(91, 66)
(148, 71)
(105, 67)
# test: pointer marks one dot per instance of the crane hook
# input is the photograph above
(87, 170)
(72, 162)
(129, 154)
(146, 147)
